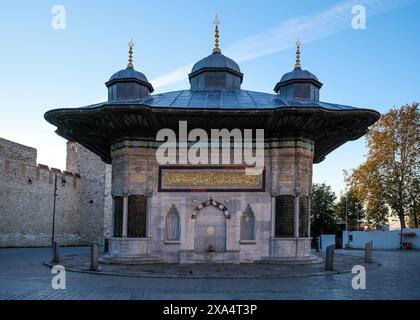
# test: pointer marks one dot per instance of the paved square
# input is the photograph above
(23, 276)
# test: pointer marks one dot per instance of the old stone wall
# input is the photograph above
(26, 200)
(95, 192)
(83, 203)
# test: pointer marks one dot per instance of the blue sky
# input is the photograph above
(43, 68)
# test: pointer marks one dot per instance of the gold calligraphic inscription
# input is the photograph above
(210, 179)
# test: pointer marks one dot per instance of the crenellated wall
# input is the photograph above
(26, 199)
(27, 195)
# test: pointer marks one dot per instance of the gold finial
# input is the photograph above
(130, 54)
(297, 65)
(216, 34)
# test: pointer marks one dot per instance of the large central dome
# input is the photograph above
(216, 61)
(216, 72)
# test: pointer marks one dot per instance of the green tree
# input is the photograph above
(390, 175)
(323, 217)
(355, 211)
(414, 203)
(365, 184)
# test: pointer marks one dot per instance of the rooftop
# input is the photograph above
(223, 99)
(215, 100)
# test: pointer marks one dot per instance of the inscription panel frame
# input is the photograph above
(206, 169)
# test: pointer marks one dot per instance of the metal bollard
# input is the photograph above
(318, 244)
(56, 253)
(368, 252)
(329, 259)
(94, 258)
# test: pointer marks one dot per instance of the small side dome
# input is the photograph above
(298, 84)
(298, 74)
(128, 73)
(128, 84)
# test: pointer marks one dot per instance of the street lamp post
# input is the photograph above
(347, 213)
(53, 222)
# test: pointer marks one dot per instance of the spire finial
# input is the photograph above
(298, 44)
(130, 54)
(216, 34)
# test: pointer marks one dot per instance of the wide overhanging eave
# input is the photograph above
(94, 128)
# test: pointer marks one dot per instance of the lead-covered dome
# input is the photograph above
(216, 60)
(128, 73)
(298, 83)
(128, 84)
(216, 72)
(298, 74)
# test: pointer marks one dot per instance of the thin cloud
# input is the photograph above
(172, 77)
(282, 37)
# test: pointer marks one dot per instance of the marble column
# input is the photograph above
(125, 217)
(296, 216)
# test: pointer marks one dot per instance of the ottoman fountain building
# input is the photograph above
(187, 213)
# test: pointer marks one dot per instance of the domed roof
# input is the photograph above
(216, 72)
(216, 61)
(294, 84)
(127, 76)
(128, 73)
(298, 74)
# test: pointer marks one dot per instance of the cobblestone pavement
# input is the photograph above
(23, 276)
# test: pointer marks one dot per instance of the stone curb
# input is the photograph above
(148, 275)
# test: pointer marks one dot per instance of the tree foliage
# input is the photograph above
(323, 217)
(389, 178)
(351, 203)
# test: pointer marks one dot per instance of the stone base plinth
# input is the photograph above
(209, 257)
(133, 260)
(300, 260)
(130, 251)
(290, 251)
(290, 247)
(129, 247)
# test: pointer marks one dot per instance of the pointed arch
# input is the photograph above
(248, 224)
(213, 203)
(173, 224)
